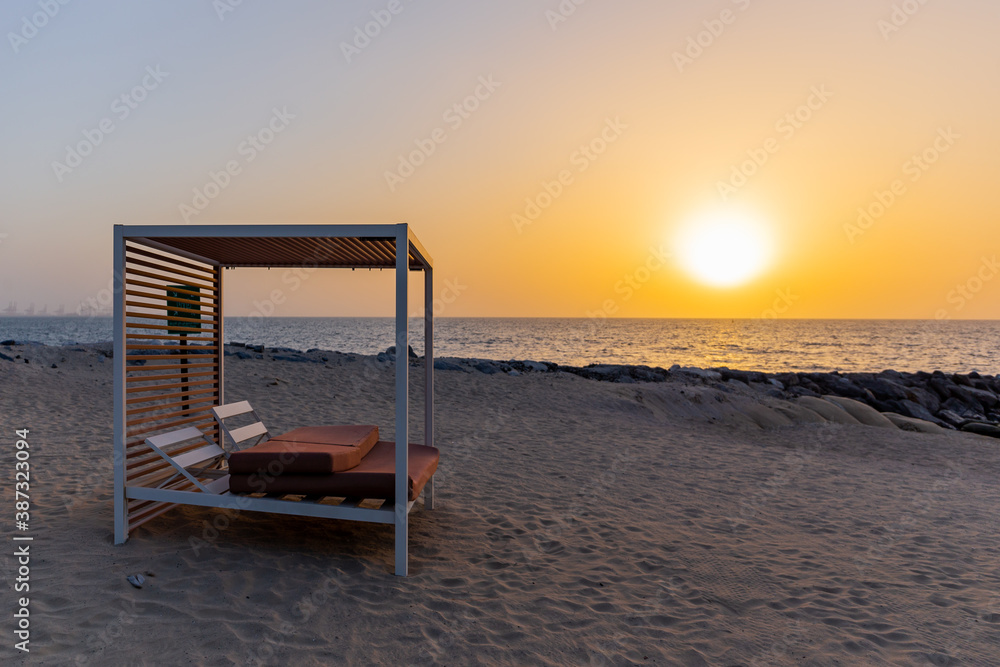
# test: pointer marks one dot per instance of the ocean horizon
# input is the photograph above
(955, 346)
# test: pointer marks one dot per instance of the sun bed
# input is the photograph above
(341, 460)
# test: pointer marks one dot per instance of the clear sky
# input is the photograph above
(589, 142)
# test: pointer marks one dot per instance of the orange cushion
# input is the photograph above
(374, 477)
(312, 450)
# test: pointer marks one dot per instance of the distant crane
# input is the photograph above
(11, 309)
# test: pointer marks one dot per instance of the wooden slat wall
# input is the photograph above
(173, 373)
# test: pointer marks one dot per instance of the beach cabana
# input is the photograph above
(169, 280)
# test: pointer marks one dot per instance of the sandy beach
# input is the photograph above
(578, 522)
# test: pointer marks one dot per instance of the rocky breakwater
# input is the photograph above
(911, 401)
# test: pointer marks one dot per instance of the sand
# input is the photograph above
(578, 522)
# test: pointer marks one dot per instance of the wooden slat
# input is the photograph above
(146, 336)
(162, 367)
(146, 251)
(170, 415)
(132, 432)
(220, 485)
(137, 441)
(232, 409)
(158, 346)
(172, 272)
(176, 394)
(194, 354)
(164, 297)
(151, 513)
(131, 282)
(174, 437)
(167, 406)
(142, 463)
(174, 385)
(150, 316)
(244, 433)
(167, 327)
(206, 309)
(205, 453)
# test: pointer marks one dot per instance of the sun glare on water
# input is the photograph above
(724, 249)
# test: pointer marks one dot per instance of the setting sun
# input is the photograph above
(724, 249)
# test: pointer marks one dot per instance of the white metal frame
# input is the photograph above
(406, 242)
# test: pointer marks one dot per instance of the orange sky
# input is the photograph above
(667, 121)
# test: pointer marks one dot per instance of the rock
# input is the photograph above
(742, 376)
(382, 357)
(292, 357)
(827, 410)
(5, 357)
(942, 387)
(795, 392)
(53, 366)
(952, 418)
(912, 424)
(713, 376)
(980, 428)
(964, 411)
(136, 580)
(961, 380)
(513, 372)
(838, 386)
(9, 342)
(916, 411)
(788, 379)
(535, 366)
(486, 367)
(883, 389)
(863, 413)
(927, 399)
(442, 365)
(987, 398)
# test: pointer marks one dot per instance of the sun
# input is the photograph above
(724, 249)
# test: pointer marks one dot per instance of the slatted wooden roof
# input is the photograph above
(332, 246)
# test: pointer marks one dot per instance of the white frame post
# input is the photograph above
(402, 398)
(429, 376)
(118, 363)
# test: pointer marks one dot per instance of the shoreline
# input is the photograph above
(956, 401)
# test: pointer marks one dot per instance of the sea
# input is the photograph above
(952, 346)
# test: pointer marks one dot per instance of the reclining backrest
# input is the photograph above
(255, 431)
